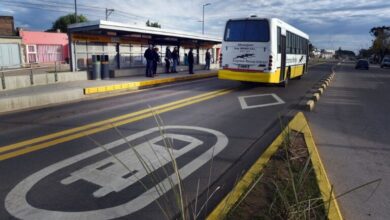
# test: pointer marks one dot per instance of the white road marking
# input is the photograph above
(17, 205)
(244, 104)
(111, 179)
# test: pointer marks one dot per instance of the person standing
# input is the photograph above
(208, 59)
(168, 57)
(191, 62)
(175, 59)
(185, 59)
(156, 60)
(149, 61)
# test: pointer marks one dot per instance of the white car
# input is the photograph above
(385, 62)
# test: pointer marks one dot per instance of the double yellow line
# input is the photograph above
(24, 147)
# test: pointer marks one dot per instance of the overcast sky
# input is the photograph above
(329, 23)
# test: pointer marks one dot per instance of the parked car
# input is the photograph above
(385, 62)
(362, 64)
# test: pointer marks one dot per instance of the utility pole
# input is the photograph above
(108, 12)
(203, 16)
(75, 10)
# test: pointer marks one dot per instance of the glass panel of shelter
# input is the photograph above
(130, 55)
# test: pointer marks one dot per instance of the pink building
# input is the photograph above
(44, 47)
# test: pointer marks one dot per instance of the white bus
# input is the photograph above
(264, 50)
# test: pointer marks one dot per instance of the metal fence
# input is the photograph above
(31, 69)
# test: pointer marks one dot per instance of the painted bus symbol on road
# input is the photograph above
(113, 176)
(110, 176)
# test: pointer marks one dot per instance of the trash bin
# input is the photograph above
(105, 67)
(96, 67)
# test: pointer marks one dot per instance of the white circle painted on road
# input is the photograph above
(17, 205)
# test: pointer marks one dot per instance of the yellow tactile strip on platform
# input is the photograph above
(136, 85)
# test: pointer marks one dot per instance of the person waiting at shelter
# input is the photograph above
(191, 62)
(149, 61)
(168, 58)
(208, 59)
(175, 59)
(156, 60)
(185, 59)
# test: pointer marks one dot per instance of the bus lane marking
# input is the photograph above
(260, 100)
(109, 175)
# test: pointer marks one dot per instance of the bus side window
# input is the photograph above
(288, 42)
(300, 45)
(295, 44)
(278, 40)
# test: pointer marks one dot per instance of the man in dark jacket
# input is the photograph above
(175, 59)
(208, 59)
(156, 59)
(149, 61)
(191, 62)
(168, 57)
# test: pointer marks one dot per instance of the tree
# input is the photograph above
(62, 22)
(365, 53)
(153, 24)
(381, 43)
(341, 54)
(311, 47)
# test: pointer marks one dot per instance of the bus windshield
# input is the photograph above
(247, 31)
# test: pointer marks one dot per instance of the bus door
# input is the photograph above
(283, 57)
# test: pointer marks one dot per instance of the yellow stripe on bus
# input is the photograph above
(272, 77)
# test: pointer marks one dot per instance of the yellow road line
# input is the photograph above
(95, 124)
(299, 124)
(147, 113)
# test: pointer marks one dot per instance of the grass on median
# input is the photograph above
(286, 188)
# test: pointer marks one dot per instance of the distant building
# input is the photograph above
(316, 53)
(7, 26)
(327, 54)
(44, 47)
(11, 55)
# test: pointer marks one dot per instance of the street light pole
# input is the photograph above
(75, 9)
(203, 16)
(108, 13)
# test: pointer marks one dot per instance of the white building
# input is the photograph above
(327, 53)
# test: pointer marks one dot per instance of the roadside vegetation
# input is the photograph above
(285, 189)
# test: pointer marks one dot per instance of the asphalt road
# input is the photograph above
(351, 126)
(55, 163)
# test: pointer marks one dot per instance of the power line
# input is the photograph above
(56, 4)
(48, 9)
(92, 11)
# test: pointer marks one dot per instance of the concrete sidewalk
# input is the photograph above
(351, 126)
(43, 95)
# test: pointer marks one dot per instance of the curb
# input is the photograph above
(137, 85)
(323, 84)
(298, 123)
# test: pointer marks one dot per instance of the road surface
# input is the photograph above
(71, 161)
(351, 126)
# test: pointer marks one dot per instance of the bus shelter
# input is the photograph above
(125, 44)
